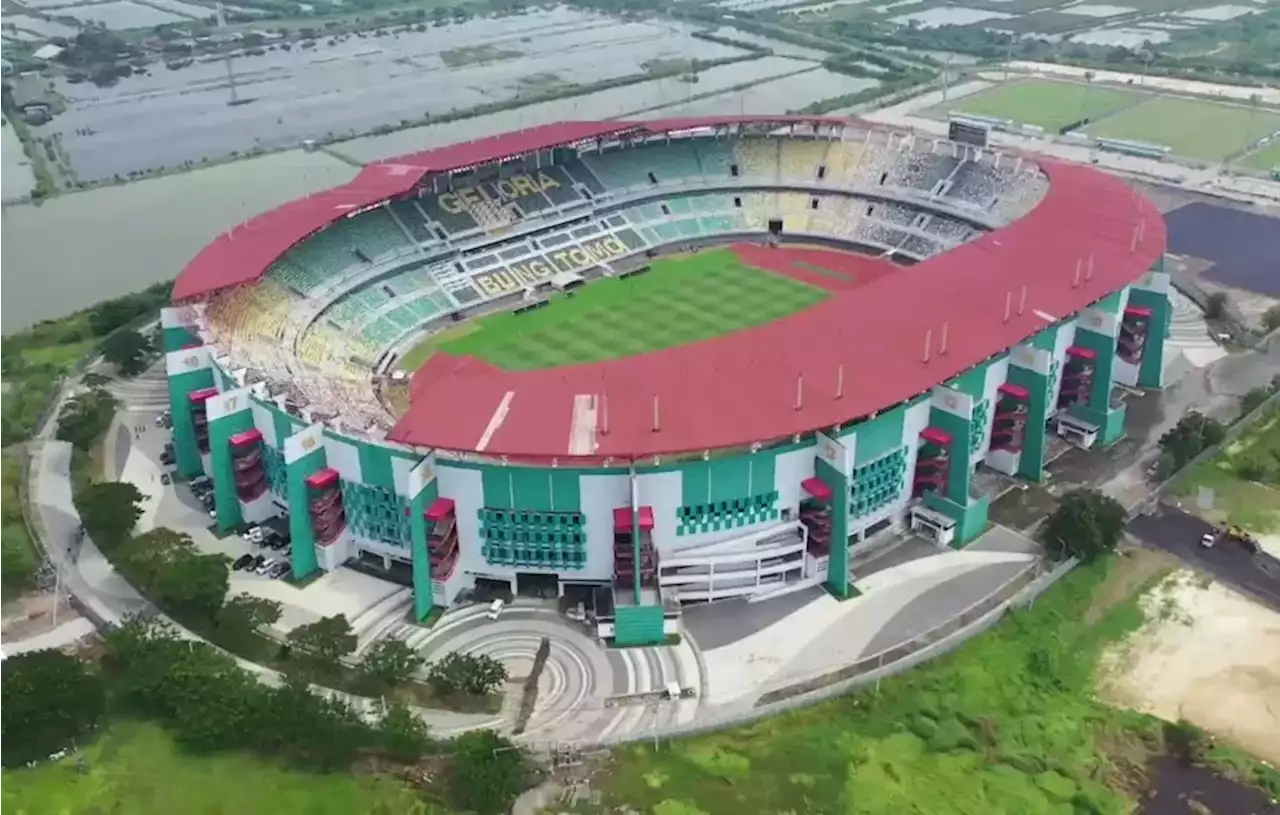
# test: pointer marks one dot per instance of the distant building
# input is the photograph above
(31, 98)
(48, 52)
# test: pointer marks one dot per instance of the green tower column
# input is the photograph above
(1098, 410)
(423, 490)
(952, 411)
(833, 464)
(189, 370)
(303, 455)
(229, 413)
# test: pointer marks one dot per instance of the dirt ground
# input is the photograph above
(1207, 655)
(32, 614)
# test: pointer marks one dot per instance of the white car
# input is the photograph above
(253, 534)
(495, 608)
(1208, 539)
(266, 566)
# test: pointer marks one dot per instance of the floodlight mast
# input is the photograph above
(231, 77)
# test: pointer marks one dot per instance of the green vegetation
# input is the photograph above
(678, 301)
(476, 54)
(1205, 130)
(1086, 524)
(1244, 477)
(1048, 104)
(50, 700)
(1009, 724)
(139, 769)
(21, 561)
(1264, 158)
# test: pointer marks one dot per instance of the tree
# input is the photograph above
(328, 638)
(488, 772)
(1253, 400)
(1193, 434)
(145, 558)
(50, 700)
(85, 418)
(390, 663)
(128, 351)
(402, 735)
(244, 614)
(1271, 318)
(193, 586)
(108, 511)
(1085, 524)
(473, 674)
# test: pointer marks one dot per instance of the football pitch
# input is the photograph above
(1204, 130)
(678, 301)
(1264, 159)
(1046, 103)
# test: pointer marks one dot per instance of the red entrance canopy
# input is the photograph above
(202, 394)
(1080, 352)
(322, 478)
(440, 509)
(1138, 311)
(622, 519)
(935, 436)
(1015, 391)
(817, 488)
(247, 437)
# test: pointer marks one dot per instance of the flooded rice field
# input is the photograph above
(351, 85)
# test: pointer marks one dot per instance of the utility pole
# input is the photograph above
(231, 77)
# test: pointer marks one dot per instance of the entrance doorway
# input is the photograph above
(537, 584)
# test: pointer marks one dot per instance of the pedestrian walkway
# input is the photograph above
(69, 633)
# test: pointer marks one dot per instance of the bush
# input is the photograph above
(488, 772)
(1085, 524)
(472, 674)
(50, 700)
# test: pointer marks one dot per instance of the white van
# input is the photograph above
(495, 608)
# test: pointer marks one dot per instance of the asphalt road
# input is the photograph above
(1179, 533)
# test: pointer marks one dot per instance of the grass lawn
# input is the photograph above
(1205, 130)
(1008, 725)
(21, 561)
(678, 301)
(1264, 159)
(137, 769)
(1250, 504)
(1043, 102)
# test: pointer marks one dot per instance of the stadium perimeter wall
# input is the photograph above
(386, 488)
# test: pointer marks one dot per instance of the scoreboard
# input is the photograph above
(968, 133)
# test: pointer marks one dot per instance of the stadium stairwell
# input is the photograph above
(229, 415)
(190, 371)
(952, 411)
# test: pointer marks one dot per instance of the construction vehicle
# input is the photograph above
(1230, 534)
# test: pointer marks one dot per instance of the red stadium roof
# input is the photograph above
(243, 254)
(741, 388)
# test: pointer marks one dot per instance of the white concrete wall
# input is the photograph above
(263, 421)
(260, 508)
(664, 491)
(789, 470)
(343, 457)
(601, 494)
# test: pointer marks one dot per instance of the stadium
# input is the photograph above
(645, 364)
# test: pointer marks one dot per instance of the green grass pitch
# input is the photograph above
(1265, 158)
(1042, 102)
(678, 301)
(1205, 130)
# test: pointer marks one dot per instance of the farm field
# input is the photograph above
(138, 769)
(1010, 723)
(678, 301)
(1263, 159)
(1042, 102)
(1204, 130)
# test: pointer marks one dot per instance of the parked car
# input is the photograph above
(253, 534)
(166, 458)
(277, 543)
(258, 560)
(164, 419)
(165, 479)
(495, 608)
(242, 563)
(1208, 539)
(277, 571)
(266, 565)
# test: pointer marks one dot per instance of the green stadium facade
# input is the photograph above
(736, 524)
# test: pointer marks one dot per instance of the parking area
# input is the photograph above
(1180, 533)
